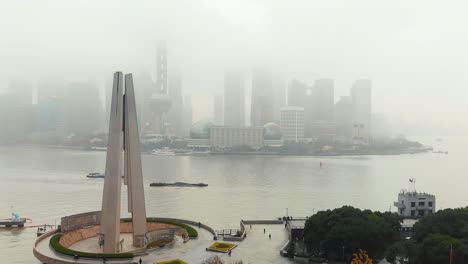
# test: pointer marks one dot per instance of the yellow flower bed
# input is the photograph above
(174, 261)
(221, 247)
(158, 244)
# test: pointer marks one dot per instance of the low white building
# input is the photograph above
(415, 204)
(292, 123)
(222, 137)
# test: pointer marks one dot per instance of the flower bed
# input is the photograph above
(174, 261)
(159, 244)
(55, 244)
(221, 247)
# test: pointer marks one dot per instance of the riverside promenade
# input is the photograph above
(257, 247)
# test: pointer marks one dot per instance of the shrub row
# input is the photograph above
(55, 244)
(190, 230)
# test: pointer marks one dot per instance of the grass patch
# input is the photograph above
(55, 244)
(221, 247)
(174, 261)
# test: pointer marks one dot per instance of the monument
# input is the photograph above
(123, 136)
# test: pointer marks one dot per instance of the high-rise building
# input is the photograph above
(297, 93)
(161, 69)
(261, 111)
(218, 110)
(157, 106)
(52, 111)
(177, 104)
(83, 108)
(188, 116)
(234, 100)
(322, 100)
(292, 123)
(279, 96)
(361, 95)
(144, 89)
(344, 113)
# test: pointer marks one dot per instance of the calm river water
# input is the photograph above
(47, 183)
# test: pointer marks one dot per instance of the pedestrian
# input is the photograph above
(229, 253)
(250, 226)
(264, 230)
(140, 261)
(199, 224)
(269, 235)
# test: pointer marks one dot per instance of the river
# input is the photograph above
(47, 183)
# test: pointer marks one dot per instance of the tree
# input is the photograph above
(436, 249)
(352, 229)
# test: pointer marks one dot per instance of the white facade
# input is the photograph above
(414, 204)
(228, 137)
(292, 123)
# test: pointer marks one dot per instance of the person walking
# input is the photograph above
(269, 235)
(229, 253)
(264, 230)
(140, 261)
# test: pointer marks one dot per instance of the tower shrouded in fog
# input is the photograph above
(234, 100)
(362, 101)
(158, 105)
(261, 111)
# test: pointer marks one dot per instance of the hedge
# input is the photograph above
(55, 244)
(190, 230)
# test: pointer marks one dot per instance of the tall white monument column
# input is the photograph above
(110, 220)
(133, 171)
(123, 135)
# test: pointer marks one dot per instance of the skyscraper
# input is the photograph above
(344, 113)
(176, 111)
(188, 116)
(279, 96)
(234, 99)
(218, 110)
(322, 100)
(157, 106)
(161, 69)
(83, 108)
(361, 94)
(261, 111)
(297, 93)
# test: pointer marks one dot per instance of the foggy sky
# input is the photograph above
(415, 52)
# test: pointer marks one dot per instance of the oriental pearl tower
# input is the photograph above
(158, 105)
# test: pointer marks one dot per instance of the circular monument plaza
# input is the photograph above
(104, 237)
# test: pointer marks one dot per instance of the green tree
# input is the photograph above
(352, 229)
(435, 249)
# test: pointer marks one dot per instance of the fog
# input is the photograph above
(413, 51)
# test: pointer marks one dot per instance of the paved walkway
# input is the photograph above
(256, 248)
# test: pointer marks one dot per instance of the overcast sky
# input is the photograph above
(415, 52)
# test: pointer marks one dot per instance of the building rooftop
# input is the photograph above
(292, 108)
(414, 193)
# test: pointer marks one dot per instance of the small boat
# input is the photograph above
(14, 221)
(97, 175)
(178, 184)
(44, 229)
(163, 152)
